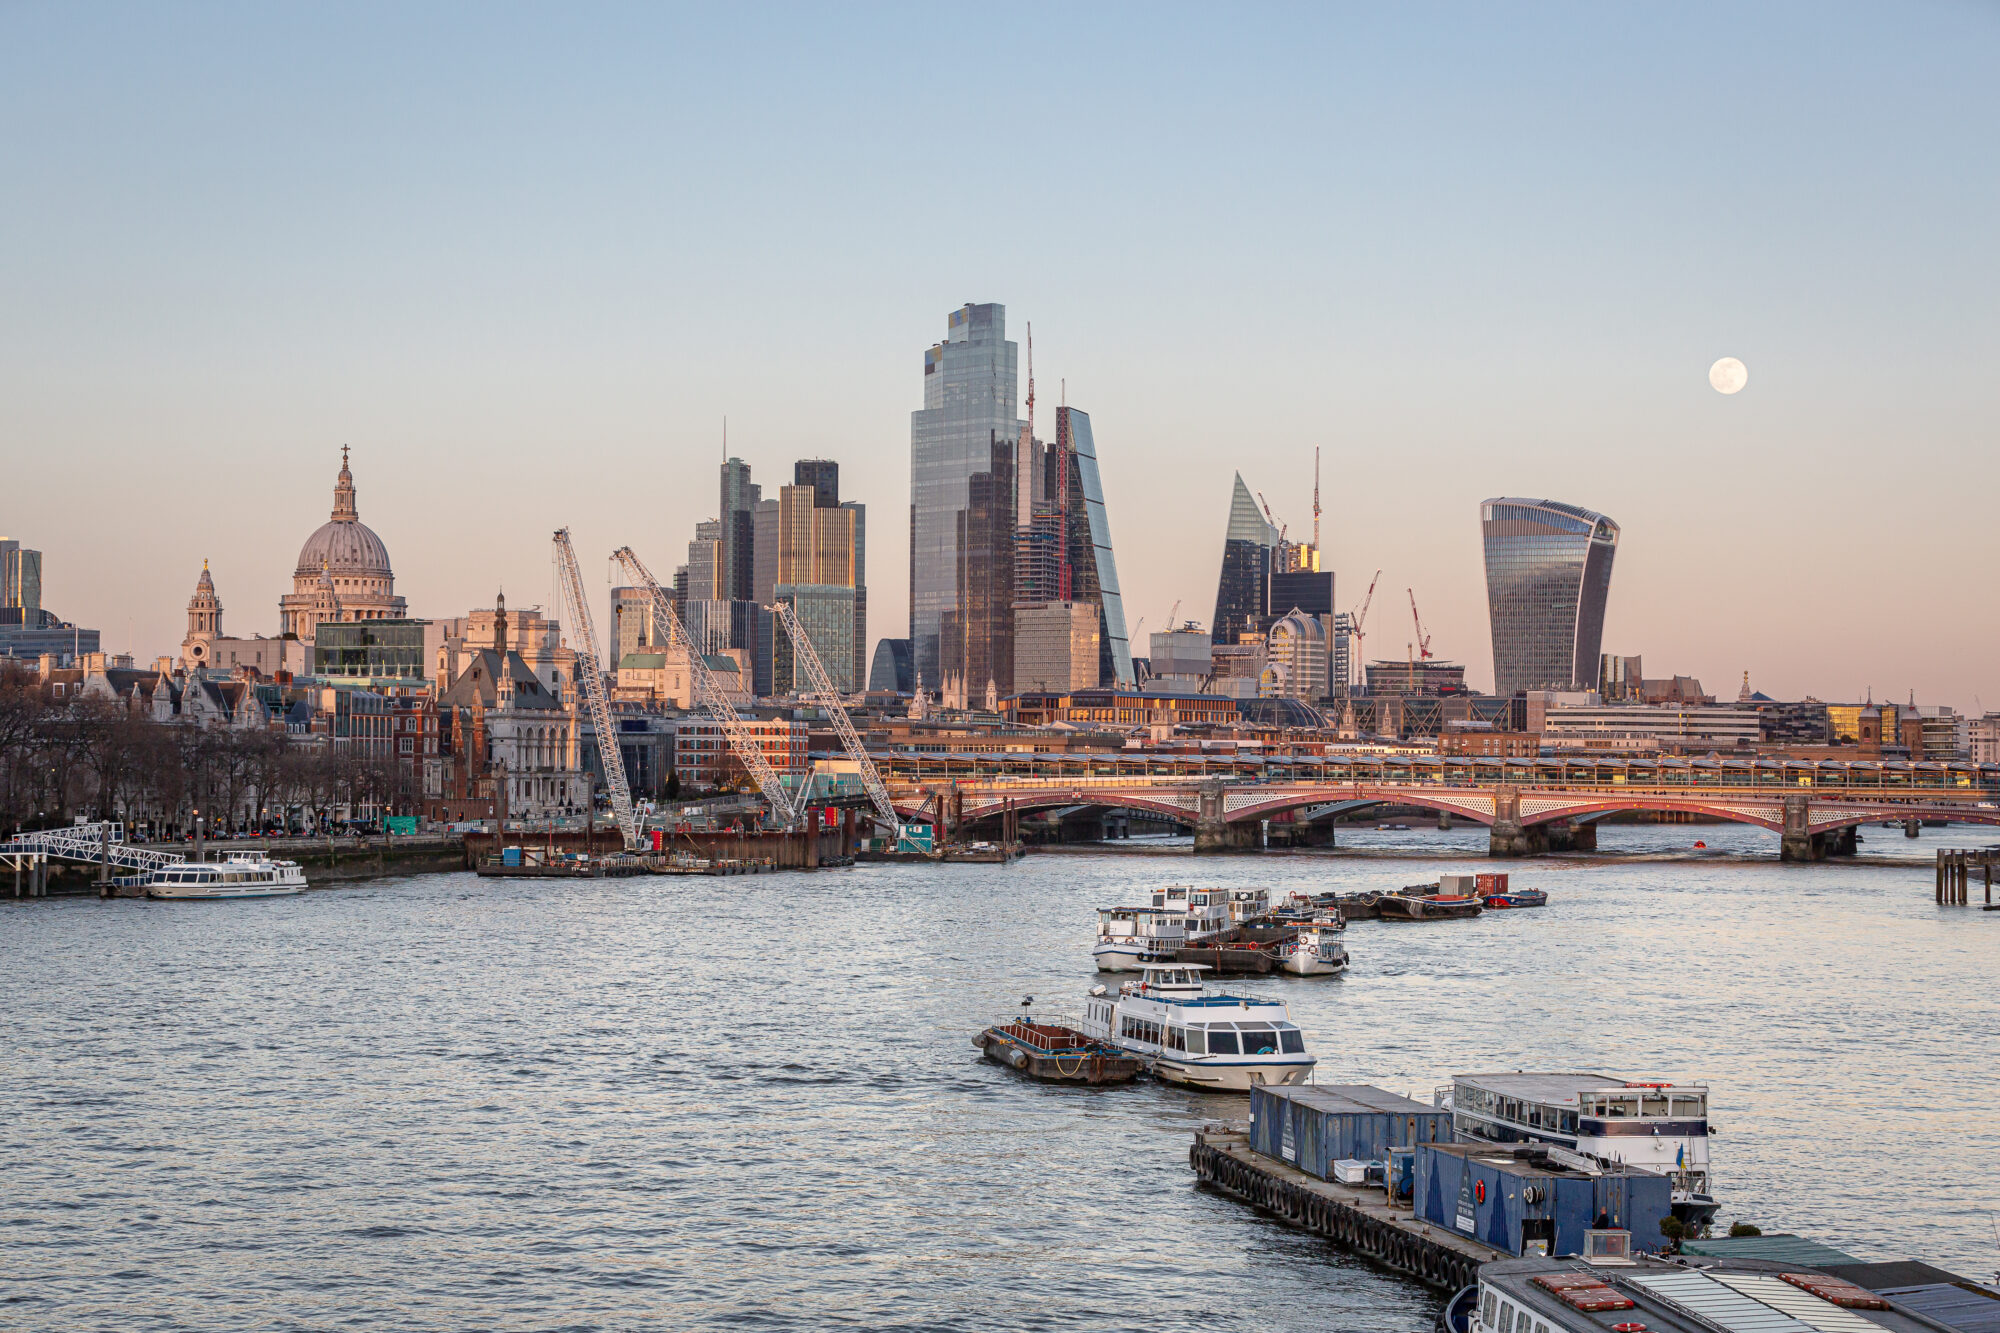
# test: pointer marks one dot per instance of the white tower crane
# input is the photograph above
(590, 680)
(1360, 623)
(786, 806)
(828, 698)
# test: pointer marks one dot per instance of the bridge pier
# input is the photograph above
(1212, 830)
(1843, 842)
(1910, 827)
(1799, 842)
(1507, 837)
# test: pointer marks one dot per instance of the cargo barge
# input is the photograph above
(1056, 1054)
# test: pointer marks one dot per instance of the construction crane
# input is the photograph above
(828, 698)
(1423, 639)
(590, 680)
(1172, 613)
(1360, 622)
(785, 805)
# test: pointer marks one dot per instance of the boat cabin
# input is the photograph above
(1659, 1125)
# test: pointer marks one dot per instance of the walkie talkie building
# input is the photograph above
(1548, 576)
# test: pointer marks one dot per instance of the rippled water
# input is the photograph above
(442, 1102)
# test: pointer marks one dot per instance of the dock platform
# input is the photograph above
(1358, 1219)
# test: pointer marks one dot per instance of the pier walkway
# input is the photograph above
(1356, 1219)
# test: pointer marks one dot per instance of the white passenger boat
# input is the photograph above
(1661, 1126)
(1317, 950)
(1224, 1043)
(242, 875)
(1130, 937)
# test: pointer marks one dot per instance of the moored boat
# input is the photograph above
(1658, 1125)
(1188, 1035)
(241, 875)
(1056, 1054)
(1314, 950)
(1516, 898)
(1130, 937)
(1419, 903)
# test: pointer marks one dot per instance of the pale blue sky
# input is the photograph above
(524, 259)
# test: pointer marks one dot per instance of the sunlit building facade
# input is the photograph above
(1548, 577)
(1243, 593)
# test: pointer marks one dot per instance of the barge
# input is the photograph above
(1056, 1054)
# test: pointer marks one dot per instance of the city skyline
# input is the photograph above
(180, 362)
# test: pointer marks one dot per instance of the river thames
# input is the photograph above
(443, 1102)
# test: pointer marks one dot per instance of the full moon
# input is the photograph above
(1728, 375)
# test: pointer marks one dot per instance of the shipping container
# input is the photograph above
(1314, 1127)
(1528, 1204)
(1458, 882)
(1492, 882)
(510, 856)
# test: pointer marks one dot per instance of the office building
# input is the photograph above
(20, 577)
(737, 532)
(1340, 663)
(892, 671)
(1062, 544)
(1295, 659)
(1243, 592)
(823, 475)
(817, 562)
(1423, 676)
(634, 626)
(1056, 646)
(962, 502)
(1620, 679)
(368, 651)
(1548, 576)
(1637, 729)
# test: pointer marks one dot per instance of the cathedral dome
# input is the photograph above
(344, 544)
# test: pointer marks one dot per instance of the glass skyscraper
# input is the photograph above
(1096, 577)
(1243, 593)
(959, 550)
(1548, 576)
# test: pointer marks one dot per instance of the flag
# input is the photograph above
(1680, 1157)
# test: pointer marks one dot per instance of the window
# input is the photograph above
(1221, 1043)
(1506, 1317)
(1487, 1301)
(1197, 1043)
(1293, 1041)
(1259, 1040)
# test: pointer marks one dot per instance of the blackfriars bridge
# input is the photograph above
(1529, 806)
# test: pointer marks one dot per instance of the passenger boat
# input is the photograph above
(1315, 949)
(1661, 1126)
(1187, 1035)
(1130, 937)
(1180, 916)
(241, 875)
(1056, 1054)
(1516, 898)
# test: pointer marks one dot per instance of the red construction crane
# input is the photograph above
(1423, 639)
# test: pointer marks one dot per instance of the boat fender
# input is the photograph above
(1018, 1058)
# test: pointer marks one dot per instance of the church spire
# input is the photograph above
(343, 493)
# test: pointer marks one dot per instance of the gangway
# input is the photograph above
(786, 806)
(99, 843)
(590, 679)
(828, 699)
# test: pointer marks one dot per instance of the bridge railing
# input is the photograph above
(89, 842)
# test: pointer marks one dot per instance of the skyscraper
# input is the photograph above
(962, 527)
(739, 506)
(1094, 576)
(1548, 576)
(819, 565)
(1243, 593)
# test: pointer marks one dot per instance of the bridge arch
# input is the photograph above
(1444, 802)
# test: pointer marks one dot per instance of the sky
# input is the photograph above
(526, 259)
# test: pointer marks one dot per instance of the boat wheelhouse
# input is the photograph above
(1189, 1035)
(1659, 1125)
(1205, 912)
(242, 875)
